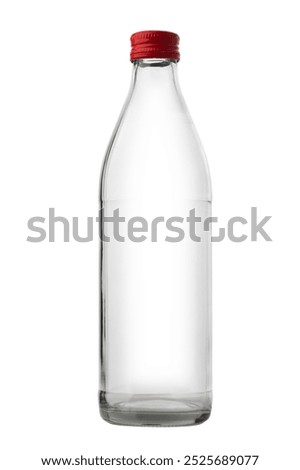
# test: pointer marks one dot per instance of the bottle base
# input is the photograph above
(155, 410)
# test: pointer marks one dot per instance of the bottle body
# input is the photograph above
(155, 259)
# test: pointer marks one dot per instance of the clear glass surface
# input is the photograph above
(155, 294)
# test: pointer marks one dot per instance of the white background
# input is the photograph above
(65, 72)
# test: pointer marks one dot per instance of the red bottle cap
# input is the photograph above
(154, 45)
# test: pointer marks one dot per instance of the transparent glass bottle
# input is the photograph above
(155, 271)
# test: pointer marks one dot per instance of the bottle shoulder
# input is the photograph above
(155, 149)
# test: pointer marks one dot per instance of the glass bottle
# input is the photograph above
(155, 256)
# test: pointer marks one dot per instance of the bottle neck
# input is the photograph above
(155, 78)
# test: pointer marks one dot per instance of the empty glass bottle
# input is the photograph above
(155, 201)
